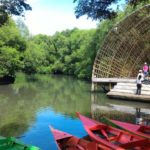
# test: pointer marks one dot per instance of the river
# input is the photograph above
(34, 102)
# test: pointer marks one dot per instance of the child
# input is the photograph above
(139, 85)
(145, 70)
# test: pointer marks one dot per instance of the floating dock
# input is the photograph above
(127, 91)
(110, 82)
(123, 88)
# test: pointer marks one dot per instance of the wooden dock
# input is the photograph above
(123, 88)
(113, 80)
(128, 96)
(110, 82)
(127, 91)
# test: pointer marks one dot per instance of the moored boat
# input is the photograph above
(140, 130)
(112, 137)
(12, 143)
(66, 141)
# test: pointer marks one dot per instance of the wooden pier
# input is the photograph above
(123, 88)
(109, 81)
(113, 80)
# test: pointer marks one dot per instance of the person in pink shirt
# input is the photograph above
(145, 69)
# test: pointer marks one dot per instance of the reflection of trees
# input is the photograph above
(20, 102)
(65, 94)
(14, 128)
(15, 114)
(126, 117)
(101, 107)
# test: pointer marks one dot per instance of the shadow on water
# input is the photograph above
(11, 128)
(32, 103)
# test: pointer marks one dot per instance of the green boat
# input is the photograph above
(12, 143)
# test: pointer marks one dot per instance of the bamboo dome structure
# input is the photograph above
(124, 49)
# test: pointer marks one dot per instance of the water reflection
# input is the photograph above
(134, 112)
(26, 106)
(30, 105)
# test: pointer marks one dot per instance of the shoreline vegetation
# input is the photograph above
(70, 52)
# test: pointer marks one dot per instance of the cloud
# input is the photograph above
(47, 19)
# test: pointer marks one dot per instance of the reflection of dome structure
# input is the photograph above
(125, 46)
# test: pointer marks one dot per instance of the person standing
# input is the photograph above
(145, 70)
(139, 85)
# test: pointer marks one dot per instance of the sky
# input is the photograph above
(49, 16)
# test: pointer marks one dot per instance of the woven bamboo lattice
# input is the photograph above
(125, 46)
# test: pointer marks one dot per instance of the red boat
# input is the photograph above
(112, 137)
(67, 141)
(140, 130)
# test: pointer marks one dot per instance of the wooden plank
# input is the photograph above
(130, 91)
(114, 80)
(132, 84)
(131, 88)
(128, 96)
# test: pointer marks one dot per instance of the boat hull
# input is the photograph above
(11, 143)
(112, 137)
(140, 130)
(66, 141)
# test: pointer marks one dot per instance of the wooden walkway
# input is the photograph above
(110, 82)
(113, 80)
(128, 91)
(123, 88)
(129, 96)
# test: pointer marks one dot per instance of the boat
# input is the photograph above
(66, 141)
(11, 143)
(141, 130)
(111, 137)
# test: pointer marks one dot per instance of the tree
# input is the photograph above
(136, 2)
(34, 58)
(101, 9)
(24, 31)
(95, 9)
(11, 46)
(12, 7)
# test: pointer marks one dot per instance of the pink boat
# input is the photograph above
(66, 141)
(112, 137)
(140, 130)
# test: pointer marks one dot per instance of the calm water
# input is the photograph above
(29, 106)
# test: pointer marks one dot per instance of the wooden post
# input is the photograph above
(93, 99)
(94, 86)
(110, 86)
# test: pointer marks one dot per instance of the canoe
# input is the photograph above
(66, 141)
(112, 137)
(12, 143)
(140, 130)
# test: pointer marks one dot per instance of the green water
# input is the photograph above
(32, 103)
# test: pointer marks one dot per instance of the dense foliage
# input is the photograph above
(70, 52)
(62, 53)
(95, 9)
(11, 46)
(101, 9)
(136, 2)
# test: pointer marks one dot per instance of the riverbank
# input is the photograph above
(7, 80)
